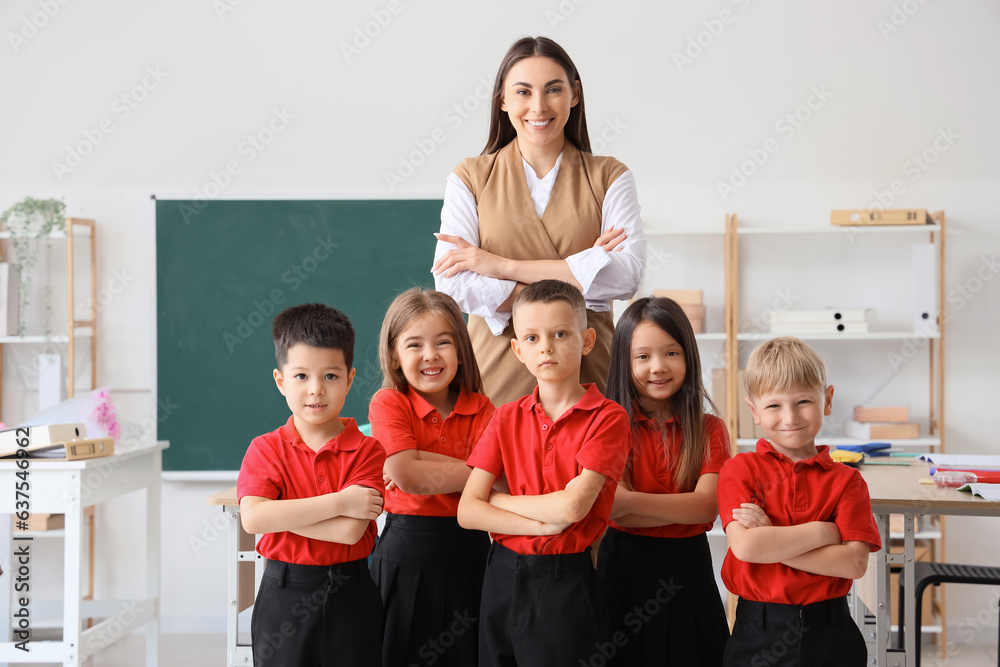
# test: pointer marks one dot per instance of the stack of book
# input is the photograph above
(877, 423)
(830, 321)
(690, 301)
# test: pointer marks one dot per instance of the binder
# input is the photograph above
(39, 436)
(831, 328)
(925, 293)
(825, 315)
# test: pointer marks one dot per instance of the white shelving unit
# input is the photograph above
(78, 229)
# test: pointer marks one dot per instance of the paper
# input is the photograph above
(964, 460)
(987, 491)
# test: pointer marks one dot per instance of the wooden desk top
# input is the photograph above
(227, 497)
(897, 490)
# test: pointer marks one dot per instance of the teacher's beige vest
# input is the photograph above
(510, 227)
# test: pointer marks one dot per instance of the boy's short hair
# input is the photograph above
(783, 364)
(316, 325)
(549, 291)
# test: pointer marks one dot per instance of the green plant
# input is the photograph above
(30, 223)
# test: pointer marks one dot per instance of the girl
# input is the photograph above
(428, 416)
(537, 204)
(655, 557)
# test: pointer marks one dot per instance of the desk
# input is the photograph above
(66, 487)
(244, 571)
(897, 490)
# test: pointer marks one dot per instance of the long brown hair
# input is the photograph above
(407, 307)
(501, 130)
(690, 399)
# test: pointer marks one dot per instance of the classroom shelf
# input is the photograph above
(833, 229)
(873, 335)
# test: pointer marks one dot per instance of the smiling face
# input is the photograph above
(428, 357)
(658, 368)
(315, 382)
(537, 97)
(792, 419)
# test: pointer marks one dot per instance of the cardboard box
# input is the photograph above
(923, 553)
(885, 413)
(745, 428)
(681, 296)
(879, 431)
(862, 217)
(9, 299)
(41, 521)
(697, 325)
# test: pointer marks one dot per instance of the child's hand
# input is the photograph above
(389, 484)
(360, 502)
(751, 516)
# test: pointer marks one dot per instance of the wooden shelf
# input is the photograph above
(871, 335)
(832, 229)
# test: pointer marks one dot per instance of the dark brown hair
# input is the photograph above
(501, 130)
(548, 291)
(316, 325)
(407, 307)
(688, 402)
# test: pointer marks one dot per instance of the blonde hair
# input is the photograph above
(783, 364)
(407, 307)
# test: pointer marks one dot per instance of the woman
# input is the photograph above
(537, 204)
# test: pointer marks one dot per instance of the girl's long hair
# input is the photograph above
(690, 399)
(501, 130)
(407, 307)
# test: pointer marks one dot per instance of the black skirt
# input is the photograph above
(663, 602)
(430, 573)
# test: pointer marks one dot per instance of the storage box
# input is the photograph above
(9, 299)
(41, 521)
(886, 413)
(681, 296)
(877, 431)
(897, 216)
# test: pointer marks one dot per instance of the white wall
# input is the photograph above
(886, 95)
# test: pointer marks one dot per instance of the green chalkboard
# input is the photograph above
(225, 268)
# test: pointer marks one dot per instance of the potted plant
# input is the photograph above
(31, 223)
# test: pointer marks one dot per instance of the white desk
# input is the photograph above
(244, 570)
(897, 490)
(66, 487)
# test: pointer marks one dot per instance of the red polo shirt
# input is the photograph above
(791, 493)
(541, 456)
(655, 450)
(404, 420)
(280, 466)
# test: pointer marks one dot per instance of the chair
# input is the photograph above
(934, 574)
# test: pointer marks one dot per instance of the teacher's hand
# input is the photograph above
(467, 257)
(611, 240)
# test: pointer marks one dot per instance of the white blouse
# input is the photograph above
(604, 275)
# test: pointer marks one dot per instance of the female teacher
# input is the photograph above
(537, 204)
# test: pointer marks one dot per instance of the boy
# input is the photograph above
(313, 488)
(799, 525)
(561, 451)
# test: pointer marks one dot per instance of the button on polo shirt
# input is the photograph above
(792, 493)
(405, 420)
(280, 466)
(540, 456)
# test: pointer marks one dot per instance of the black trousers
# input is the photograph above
(429, 571)
(822, 634)
(541, 611)
(317, 616)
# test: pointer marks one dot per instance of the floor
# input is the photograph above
(210, 651)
